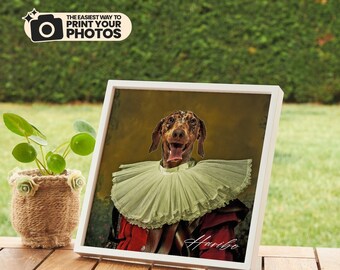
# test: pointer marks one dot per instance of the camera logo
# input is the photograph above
(46, 27)
(43, 27)
(76, 26)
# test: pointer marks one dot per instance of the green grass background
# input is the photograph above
(303, 207)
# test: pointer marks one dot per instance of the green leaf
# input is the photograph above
(56, 163)
(48, 154)
(24, 152)
(17, 124)
(82, 144)
(38, 140)
(84, 127)
(38, 133)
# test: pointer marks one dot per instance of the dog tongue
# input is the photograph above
(175, 153)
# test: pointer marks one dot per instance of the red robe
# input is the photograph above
(212, 238)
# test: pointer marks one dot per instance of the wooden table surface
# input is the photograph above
(13, 255)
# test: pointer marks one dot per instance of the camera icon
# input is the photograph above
(46, 27)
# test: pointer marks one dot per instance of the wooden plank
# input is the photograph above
(272, 263)
(175, 268)
(11, 242)
(111, 265)
(70, 246)
(15, 242)
(163, 268)
(67, 259)
(26, 258)
(286, 252)
(329, 258)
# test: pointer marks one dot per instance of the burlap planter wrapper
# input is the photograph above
(46, 218)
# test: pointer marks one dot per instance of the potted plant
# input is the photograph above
(46, 200)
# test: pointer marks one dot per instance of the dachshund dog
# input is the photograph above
(178, 133)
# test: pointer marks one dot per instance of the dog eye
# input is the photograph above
(171, 120)
(193, 121)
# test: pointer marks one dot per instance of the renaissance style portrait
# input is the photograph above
(176, 174)
(176, 205)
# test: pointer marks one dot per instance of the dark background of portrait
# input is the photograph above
(235, 126)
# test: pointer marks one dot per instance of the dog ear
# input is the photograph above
(201, 137)
(156, 135)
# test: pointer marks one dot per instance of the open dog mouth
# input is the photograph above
(176, 151)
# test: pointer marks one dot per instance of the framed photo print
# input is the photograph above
(180, 174)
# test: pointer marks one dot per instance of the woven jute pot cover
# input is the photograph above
(46, 210)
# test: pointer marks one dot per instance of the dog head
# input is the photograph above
(178, 133)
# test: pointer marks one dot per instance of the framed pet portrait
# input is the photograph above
(180, 174)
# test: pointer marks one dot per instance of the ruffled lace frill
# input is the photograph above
(149, 196)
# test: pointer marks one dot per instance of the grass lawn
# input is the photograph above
(303, 206)
(304, 198)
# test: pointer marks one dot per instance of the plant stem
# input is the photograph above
(39, 163)
(43, 155)
(40, 169)
(43, 171)
(61, 146)
(67, 151)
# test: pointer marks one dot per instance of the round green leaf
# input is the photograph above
(56, 163)
(84, 127)
(17, 124)
(82, 144)
(24, 152)
(48, 154)
(38, 140)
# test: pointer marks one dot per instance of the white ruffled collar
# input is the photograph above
(149, 196)
(181, 167)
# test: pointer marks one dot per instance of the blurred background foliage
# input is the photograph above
(294, 44)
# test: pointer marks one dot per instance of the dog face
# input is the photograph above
(178, 133)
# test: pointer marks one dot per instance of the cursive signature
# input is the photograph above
(204, 240)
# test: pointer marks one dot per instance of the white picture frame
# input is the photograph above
(255, 112)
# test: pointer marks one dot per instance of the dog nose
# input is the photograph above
(178, 133)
